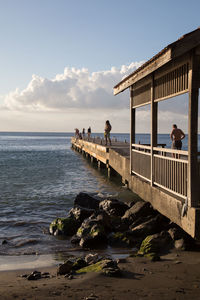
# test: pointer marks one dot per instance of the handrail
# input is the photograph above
(141, 146)
(183, 152)
(171, 158)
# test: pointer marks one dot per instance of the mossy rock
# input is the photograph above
(119, 239)
(79, 263)
(91, 268)
(66, 226)
(152, 245)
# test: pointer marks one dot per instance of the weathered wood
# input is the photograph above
(193, 172)
(136, 76)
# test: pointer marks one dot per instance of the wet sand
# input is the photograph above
(176, 276)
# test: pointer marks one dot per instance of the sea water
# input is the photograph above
(40, 177)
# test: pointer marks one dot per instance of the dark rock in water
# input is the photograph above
(95, 238)
(92, 233)
(81, 213)
(155, 244)
(75, 239)
(64, 226)
(138, 210)
(65, 268)
(119, 239)
(87, 201)
(4, 242)
(113, 207)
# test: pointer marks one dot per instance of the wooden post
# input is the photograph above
(132, 129)
(99, 164)
(154, 121)
(193, 176)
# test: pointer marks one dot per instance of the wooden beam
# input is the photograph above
(132, 129)
(154, 118)
(136, 76)
(193, 174)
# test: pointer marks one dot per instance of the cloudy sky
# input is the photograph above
(59, 61)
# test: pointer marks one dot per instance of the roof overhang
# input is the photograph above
(183, 45)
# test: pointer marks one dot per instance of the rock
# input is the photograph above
(75, 239)
(180, 244)
(119, 239)
(138, 210)
(79, 263)
(92, 233)
(113, 207)
(95, 238)
(4, 242)
(176, 233)
(112, 272)
(152, 245)
(154, 225)
(107, 267)
(81, 213)
(35, 275)
(64, 226)
(87, 201)
(65, 268)
(92, 258)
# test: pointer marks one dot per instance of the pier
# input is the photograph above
(167, 178)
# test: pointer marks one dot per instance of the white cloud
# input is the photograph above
(74, 88)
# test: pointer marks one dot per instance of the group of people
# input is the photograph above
(82, 135)
(176, 135)
(107, 130)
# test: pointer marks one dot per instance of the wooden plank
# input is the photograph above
(193, 175)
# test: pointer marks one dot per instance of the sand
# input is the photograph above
(176, 276)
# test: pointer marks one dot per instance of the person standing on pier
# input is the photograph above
(89, 132)
(176, 136)
(107, 131)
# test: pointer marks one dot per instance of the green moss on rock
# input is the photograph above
(65, 226)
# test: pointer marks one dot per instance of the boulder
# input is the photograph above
(153, 225)
(65, 268)
(113, 207)
(138, 210)
(93, 237)
(92, 258)
(107, 267)
(119, 239)
(87, 201)
(154, 244)
(64, 226)
(81, 213)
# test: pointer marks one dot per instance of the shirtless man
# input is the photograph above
(176, 136)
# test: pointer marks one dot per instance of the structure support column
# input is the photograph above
(132, 129)
(193, 174)
(154, 127)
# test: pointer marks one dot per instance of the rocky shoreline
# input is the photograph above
(94, 223)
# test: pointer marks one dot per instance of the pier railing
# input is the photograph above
(166, 168)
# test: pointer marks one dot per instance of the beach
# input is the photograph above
(175, 276)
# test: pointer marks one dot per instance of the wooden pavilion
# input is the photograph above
(168, 178)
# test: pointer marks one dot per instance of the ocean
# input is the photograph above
(39, 180)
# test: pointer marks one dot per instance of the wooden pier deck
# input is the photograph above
(166, 201)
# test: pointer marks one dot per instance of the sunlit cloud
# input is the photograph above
(74, 88)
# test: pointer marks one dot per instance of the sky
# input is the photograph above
(59, 61)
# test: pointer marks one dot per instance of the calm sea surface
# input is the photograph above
(39, 179)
